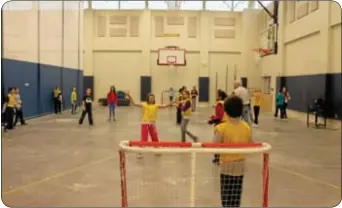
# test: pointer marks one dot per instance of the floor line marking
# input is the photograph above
(57, 175)
(295, 173)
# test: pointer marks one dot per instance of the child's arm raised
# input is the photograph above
(165, 105)
(132, 101)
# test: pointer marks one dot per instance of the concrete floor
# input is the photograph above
(55, 162)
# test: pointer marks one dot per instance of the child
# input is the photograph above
(194, 94)
(18, 108)
(73, 101)
(219, 116)
(59, 102)
(112, 100)
(87, 104)
(185, 106)
(149, 117)
(256, 106)
(280, 101)
(8, 108)
(234, 130)
(56, 93)
(179, 110)
(171, 94)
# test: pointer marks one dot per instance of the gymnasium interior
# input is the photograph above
(144, 47)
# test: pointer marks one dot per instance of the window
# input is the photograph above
(191, 5)
(265, 3)
(218, 5)
(240, 5)
(132, 4)
(50, 5)
(71, 5)
(85, 5)
(17, 5)
(105, 4)
(157, 5)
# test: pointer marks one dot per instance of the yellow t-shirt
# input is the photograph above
(257, 98)
(11, 101)
(233, 133)
(150, 112)
(187, 112)
(56, 92)
(73, 97)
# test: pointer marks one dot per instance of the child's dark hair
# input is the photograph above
(222, 95)
(112, 89)
(233, 106)
(149, 95)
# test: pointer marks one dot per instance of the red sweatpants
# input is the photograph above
(149, 128)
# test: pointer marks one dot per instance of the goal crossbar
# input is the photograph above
(193, 148)
(188, 147)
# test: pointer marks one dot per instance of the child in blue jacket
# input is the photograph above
(280, 102)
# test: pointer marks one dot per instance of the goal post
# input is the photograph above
(170, 174)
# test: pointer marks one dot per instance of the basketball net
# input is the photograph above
(257, 57)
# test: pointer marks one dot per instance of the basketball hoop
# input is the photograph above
(260, 52)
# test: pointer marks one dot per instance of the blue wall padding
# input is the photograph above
(17, 74)
(37, 82)
(50, 77)
(305, 88)
(69, 77)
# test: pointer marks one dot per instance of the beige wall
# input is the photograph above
(21, 40)
(211, 48)
(309, 40)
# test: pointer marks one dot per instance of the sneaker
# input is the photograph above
(255, 125)
(139, 156)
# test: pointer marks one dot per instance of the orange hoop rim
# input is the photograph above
(262, 50)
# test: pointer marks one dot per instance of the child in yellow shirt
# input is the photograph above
(234, 130)
(149, 117)
(257, 98)
(73, 101)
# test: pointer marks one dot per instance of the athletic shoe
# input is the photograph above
(255, 125)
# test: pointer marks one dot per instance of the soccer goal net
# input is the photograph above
(176, 174)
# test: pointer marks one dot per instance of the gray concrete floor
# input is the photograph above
(55, 162)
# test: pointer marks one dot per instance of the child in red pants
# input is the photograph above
(149, 118)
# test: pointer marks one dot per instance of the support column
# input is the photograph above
(146, 44)
(204, 50)
(88, 42)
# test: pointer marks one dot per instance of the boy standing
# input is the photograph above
(234, 130)
(256, 106)
(73, 100)
(87, 107)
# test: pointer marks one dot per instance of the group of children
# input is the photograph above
(150, 113)
(12, 109)
(282, 99)
(229, 127)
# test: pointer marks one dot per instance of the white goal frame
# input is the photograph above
(193, 149)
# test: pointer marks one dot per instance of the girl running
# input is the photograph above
(112, 100)
(219, 116)
(149, 117)
(185, 106)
